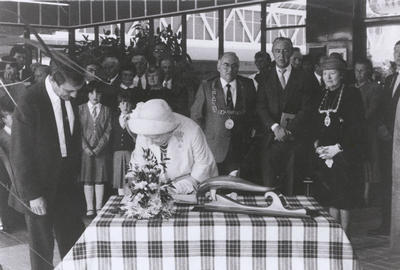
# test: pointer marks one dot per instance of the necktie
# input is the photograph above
(394, 83)
(229, 100)
(282, 78)
(139, 84)
(67, 130)
(94, 113)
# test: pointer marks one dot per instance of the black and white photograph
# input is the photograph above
(199, 135)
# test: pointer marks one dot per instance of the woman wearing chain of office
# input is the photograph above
(339, 143)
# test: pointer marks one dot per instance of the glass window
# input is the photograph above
(380, 44)
(242, 31)
(290, 13)
(202, 35)
(382, 8)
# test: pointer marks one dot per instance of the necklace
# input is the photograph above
(328, 111)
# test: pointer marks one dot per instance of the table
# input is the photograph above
(212, 240)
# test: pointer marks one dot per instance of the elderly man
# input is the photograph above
(283, 106)
(140, 63)
(224, 108)
(45, 150)
(174, 139)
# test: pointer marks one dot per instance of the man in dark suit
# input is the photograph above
(224, 108)
(175, 91)
(111, 68)
(286, 91)
(45, 151)
(390, 98)
(262, 60)
(19, 53)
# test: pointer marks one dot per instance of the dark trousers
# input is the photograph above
(275, 159)
(387, 150)
(4, 186)
(232, 160)
(62, 218)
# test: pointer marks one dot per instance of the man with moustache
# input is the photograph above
(224, 108)
(45, 150)
(285, 93)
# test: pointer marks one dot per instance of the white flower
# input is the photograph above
(153, 186)
(140, 185)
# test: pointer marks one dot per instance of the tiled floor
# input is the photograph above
(373, 251)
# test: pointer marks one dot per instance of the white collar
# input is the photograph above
(288, 69)
(50, 91)
(123, 86)
(7, 130)
(91, 106)
(224, 83)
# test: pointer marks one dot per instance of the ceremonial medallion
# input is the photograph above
(327, 120)
(229, 124)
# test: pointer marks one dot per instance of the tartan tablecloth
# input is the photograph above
(212, 240)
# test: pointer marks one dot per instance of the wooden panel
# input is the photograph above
(8, 11)
(97, 13)
(137, 8)
(85, 12)
(170, 6)
(30, 13)
(123, 9)
(186, 4)
(153, 7)
(74, 13)
(110, 10)
(64, 15)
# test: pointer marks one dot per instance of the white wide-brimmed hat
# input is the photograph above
(153, 117)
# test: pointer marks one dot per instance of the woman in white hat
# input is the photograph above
(176, 137)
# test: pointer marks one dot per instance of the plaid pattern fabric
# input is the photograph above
(212, 240)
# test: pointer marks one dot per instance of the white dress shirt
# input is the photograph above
(286, 75)
(396, 83)
(142, 79)
(123, 86)
(7, 130)
(319, 78)
(253, 77)
(167, 84)
(91, 107)
(187, 150)
(56, 104)
(233, 89)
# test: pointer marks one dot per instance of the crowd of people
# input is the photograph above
(299, 117)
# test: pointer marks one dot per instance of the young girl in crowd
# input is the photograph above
(123, 144)
(96, 131)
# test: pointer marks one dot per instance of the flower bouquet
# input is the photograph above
(149, 194)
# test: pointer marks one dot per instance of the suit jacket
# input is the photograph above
(177, 97)
(35, 149)
(95, 135)
(272, 101)
(219, 138)
(389, 103)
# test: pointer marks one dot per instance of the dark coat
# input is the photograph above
(35, 149)
(218, 137)
(389, 104)
(272, 101)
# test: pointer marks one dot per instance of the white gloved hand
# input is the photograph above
(328, 152)
(184, 186)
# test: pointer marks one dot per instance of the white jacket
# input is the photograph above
(188, 152)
